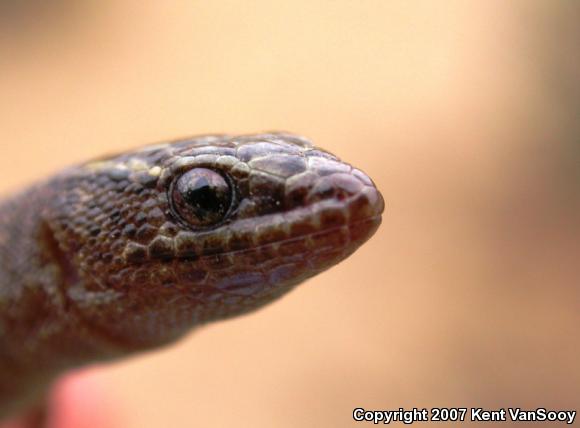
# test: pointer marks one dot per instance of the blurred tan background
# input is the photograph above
(466, 114)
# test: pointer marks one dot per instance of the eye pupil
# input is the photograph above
(204, 198)
(201, 197)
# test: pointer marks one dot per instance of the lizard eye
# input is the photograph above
(201, 197)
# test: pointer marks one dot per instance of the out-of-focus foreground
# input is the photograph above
(464, 113)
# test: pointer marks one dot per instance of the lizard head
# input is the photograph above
(177, 234)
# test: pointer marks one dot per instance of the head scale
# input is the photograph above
(205, 228)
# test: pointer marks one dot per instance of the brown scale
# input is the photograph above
(130, 252)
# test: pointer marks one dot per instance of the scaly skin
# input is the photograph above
(114, 256)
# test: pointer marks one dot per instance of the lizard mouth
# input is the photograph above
(355, 234)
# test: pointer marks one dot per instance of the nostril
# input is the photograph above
(339, 186)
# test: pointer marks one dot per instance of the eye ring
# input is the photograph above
(202, 198)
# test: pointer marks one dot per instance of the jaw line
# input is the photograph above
(374, 219)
